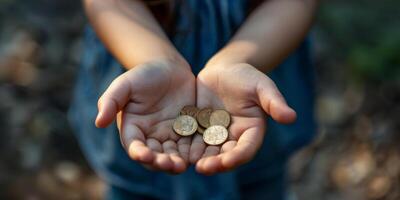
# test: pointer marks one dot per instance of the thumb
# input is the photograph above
(273, 103)
(112, 101)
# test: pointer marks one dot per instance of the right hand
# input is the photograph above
(146, 100)
(249, 96)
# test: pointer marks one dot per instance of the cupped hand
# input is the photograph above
(249, 96)
(146, 100)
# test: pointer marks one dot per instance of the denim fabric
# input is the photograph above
(271, 189)
(203, 27)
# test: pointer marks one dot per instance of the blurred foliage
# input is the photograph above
(366, 35)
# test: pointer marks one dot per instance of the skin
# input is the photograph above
(158, 83)
(235, 79)
(249, 96)
(146, 109)
(147, 97)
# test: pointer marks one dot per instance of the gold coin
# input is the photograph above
(203, 117)
(190, 110)
(220, 117)
(200, 129)
(215, 135)
(185, 125)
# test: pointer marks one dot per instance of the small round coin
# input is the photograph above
(190, 110)
(200, 129)
(203, 117)
(220, 117)
(185, 125)
(215, 135)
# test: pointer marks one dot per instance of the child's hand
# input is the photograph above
(147, 99)
(247, 94)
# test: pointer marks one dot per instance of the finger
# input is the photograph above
(227, 146)
(132, 139)
(163, 162)
(209, 163)
(112, 101)
(171, 148)
(184, 147)
(154, 145)
(211, 151)
(140, 152)
(273, 103)
(245, 149)
(196, 149)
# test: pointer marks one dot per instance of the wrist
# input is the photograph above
(217, 64)
(239, 52)
(225, 60)
(233, 61)
(234, 53)
(172, 60)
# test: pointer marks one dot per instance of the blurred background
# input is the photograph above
(355, 156)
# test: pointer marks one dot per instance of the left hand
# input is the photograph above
(248, 95)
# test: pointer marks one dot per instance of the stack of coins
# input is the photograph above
(212, 124)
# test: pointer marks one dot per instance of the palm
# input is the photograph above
(156, 94)
(237, 90)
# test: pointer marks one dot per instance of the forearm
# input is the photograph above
(129, 31)
(269, 35)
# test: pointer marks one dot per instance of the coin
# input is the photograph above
(200, 129)
(190, 110)
(203, 117)
(185, 125)
(215, 135)
(220, 117)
